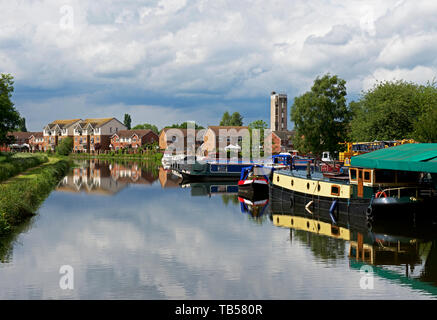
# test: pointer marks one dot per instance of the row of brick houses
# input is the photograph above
(103, 134)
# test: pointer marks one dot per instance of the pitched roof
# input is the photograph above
(184, 131)
(98, 122)
(284, 135)
(129, 133)
(216, 129)
(418, 157)
(63, 123)
(37, 134)
(22, 135)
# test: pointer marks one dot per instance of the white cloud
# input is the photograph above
(224, 49)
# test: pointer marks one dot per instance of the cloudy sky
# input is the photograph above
(167, 61)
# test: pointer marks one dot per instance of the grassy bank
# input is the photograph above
(13, 164)
(149, 157)
(21, 196)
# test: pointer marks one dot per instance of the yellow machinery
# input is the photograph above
(357, 148)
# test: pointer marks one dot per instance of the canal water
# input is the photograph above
(131, 231)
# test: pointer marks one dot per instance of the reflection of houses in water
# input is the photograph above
(102, 178)
(406, 255)
(167, 179)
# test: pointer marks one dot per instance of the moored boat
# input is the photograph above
(380, 186)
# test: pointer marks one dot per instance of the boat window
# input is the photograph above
(384, 176)
(353, 174)
(360, 174)
(367, 176)
(335, 190)
(406, 176)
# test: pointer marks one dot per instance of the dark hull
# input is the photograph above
(357, 210)
(253, 191)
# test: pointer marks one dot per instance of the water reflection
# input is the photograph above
(150, 240)
(407, 254)
(105, 177)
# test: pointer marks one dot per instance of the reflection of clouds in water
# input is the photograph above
(163, 244)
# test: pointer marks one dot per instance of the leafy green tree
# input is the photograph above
(394, 110)
(127, 121)
(236, 119)
(258, 124)
(146, 126)
(65, 147)
(425, 128)
(22, 125)
(321, 116)
(184, 125)
(226, 119)
(231, 120)
(9, 116)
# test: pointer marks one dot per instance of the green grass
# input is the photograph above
(13, 164)
(21, 196)
(151, 157)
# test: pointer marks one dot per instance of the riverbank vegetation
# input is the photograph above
(21, 196)
(148, 156)
(13, 164)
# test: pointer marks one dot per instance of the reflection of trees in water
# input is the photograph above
(230, 198)
(7, 243)
(323, 247)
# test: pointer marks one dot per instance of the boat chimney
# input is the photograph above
(308, 170)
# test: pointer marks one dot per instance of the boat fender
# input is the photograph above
(332, 210)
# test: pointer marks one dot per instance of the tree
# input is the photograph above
(425, 128)
(321, 116)
(146, 126)
(258, 124)
(22, 125)
(184, 125)
(127, 121)
(394, 110)
(65, 146)
(9, 116)
(231, 120)
(226, 119)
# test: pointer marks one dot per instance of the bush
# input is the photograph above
(15, 165)
(65, 147)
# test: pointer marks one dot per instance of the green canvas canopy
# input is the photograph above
(419, 157)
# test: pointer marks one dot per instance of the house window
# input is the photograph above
(110, 129)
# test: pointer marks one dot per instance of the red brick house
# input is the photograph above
(19, 141)
(132, 139)
(95, 134)
(281, 141)
(57, 130)
(36, 142)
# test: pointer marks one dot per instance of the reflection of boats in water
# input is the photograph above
(212, 188)
(407, 254)
(256, 208)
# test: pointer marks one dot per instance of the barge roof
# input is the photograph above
(418, 157)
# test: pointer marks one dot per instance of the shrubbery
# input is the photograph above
(21, 197)
(11, 166)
